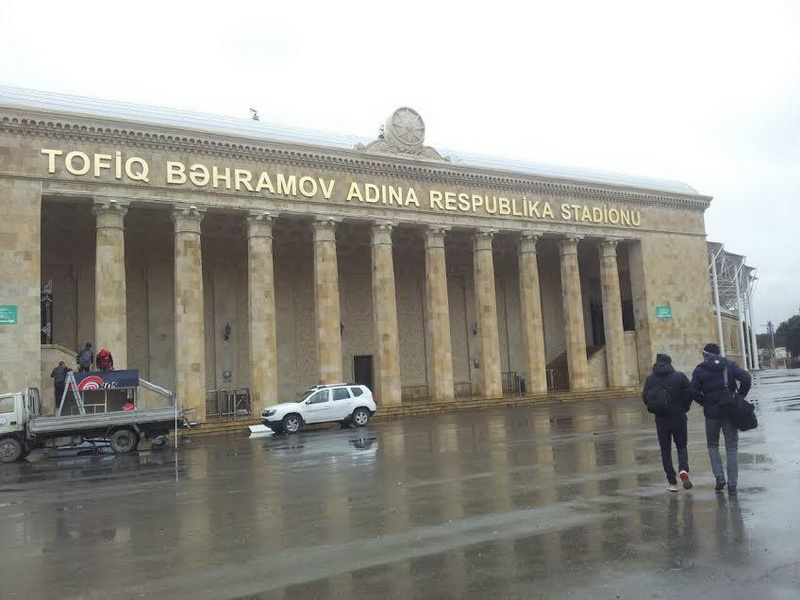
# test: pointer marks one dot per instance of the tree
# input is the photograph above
(790, 332)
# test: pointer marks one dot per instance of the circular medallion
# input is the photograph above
(406, 127)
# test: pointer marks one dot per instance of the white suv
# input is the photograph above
(345, 403)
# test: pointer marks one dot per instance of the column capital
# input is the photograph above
(259, 224)
(382, 233)
(528, 241)
(324, 221)
(483, 239)
(110, 212)
(608, 246)
(325, 229)
(434, 236)
(187, 219)
(569, 244)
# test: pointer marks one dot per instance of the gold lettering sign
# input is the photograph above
(121, 167)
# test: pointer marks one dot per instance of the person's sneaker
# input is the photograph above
(672, 487)
(687, 483)
(719, 487)
(731, 491)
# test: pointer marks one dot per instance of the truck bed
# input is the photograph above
(71, 423)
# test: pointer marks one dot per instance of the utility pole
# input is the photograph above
(771, 332)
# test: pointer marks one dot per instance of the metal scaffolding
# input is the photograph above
(733, 283)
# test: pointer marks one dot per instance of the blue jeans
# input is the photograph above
(713, 427)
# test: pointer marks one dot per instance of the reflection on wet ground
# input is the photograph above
(560, 501)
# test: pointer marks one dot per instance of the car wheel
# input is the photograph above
(360, 417)
(123, 440)
(10, 450)
(291, 424)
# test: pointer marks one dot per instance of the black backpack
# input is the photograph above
(657, 399)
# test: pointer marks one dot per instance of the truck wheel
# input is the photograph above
(10, 450)
(124, 440)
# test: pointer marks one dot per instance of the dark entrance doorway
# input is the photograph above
(362, 370)
(598, 328)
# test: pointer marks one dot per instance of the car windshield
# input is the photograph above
(302, 396)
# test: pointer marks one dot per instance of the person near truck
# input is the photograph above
(85, 357)
(59, 375)
(710, 379)
(671, 419)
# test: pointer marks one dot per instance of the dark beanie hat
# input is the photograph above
(664, 359)
(711, 349)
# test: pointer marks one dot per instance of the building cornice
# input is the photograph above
(359, 162)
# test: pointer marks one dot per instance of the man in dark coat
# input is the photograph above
(59, 375)
(672, 424)
(708, 383)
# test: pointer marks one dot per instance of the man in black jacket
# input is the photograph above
(708, 383)
(671, 424)
(59, 375)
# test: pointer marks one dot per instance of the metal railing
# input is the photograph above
(512, 383)
(228, 404)
(558, 378)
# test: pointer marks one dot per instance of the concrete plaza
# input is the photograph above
(544, 501)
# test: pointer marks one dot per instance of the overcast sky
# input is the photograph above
(703, 92)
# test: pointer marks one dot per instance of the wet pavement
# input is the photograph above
(559, 501)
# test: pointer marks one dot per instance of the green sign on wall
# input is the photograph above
(664, 312)
(8, 314)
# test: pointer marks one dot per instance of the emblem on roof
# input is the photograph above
(405, 126)
(404, 133)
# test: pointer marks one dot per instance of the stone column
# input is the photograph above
(21, 284)
(437, 321)
(490, 384)
(573, 315)
(384, 311)
(612, 314)
(261, 311)
(532, 323)
(110, 313)
(326, 301)
(190, 341)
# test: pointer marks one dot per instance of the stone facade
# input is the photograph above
(209, 261)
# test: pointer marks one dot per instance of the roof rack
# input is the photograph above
(328, 385)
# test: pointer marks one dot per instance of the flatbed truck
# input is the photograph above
(23, 428)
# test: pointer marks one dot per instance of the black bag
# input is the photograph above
(739, 411)
(657, 400)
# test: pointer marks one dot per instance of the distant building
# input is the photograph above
(732, 286)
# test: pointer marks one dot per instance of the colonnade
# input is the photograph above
(110, 317)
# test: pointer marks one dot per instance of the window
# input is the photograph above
(6, 404)
(341, 394)
(357, 391)
(319, 397)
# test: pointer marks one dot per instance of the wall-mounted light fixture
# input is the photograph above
(226, 333)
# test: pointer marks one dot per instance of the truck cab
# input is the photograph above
(16, 409)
